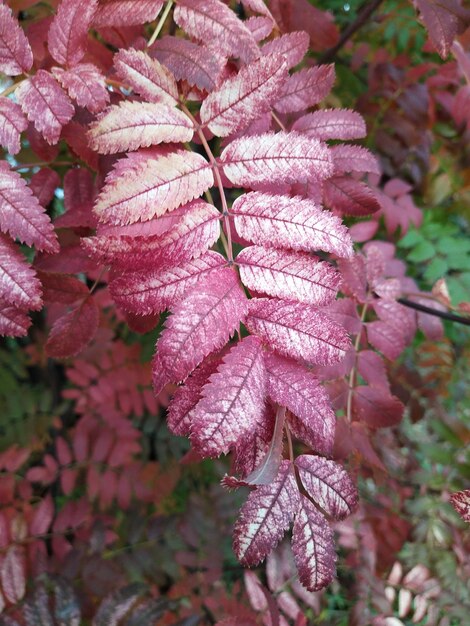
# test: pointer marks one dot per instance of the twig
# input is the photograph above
(452, 317)
(362, 17)
(159, 27)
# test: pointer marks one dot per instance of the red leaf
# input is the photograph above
(19, 285)
(349, 196)
(79, 194)
(72, 332)
(16, 56)
(354, 159)
(43, 184)
(372, 368)
(67, 37)
(13, 321)
(13, 574)
(265, 517)
(444, 21)
(126, 12)
(62, 288)
(332, 124)
(12, 124)
(376, 407)
(85, 84)
(45, 104)
(292, 46)
(42, 518)
(292, 15)
(306, 88)
(461, 503)
(387, 339)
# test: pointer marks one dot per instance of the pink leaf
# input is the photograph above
(293, 223)
(283, 157)
(290, 275)
(85, 84)
(13, 321)
(353, 271)
(292, 46)
(388, 340)
(298, 330)
(16, 56)
(72, 332)
(354, 159)
(19, 285)
(147, 77)
(461, 503)
(79, 194)
(265, 517)
(244, 97)
(349, 196)
(213, 21)
(12, 124)
(186, 397)
(444, 21)
(198, 65)
(21, 215)
(67, 37)
(43, 184)
(257, 6)
(372, 368)
(193, 234)
(62, 288)
(13, 573)
(259, 27)
(155, 291)
(158, 186)
(293, 386)
(332, 124)
(45, 104)
(126, 12)
(306, 88)
(232, 401)
(42, 517)
(376, 407)
(199, 324)
(313, 547)
(132, 125)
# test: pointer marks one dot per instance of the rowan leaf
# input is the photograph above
(331, 124)
(292, 385)
(349, 196)
(21, 215)
(117, 604)
(294, 223)
(13, 321)
(157, 290)
(43, 184)
(460, 500)
(85, 84)
(198, 65)
(306, 88)
(132, 125)
(199, 324)
(232, 401)
(72, 332)
(45, 103)
(12, 124)
(159, 185)
(19, 285)
(444, 21)
(289, 275)
(258, 6)
(146, 76)
(376, 406)
(244, 97)
(313, 547)
(36, 608)
(191, 236)
(354, 159)
(265, 517)
(13, 573)
(62, 288)
(16, 56)
(68, 33)
(328, 484)
(79, 194)
(126, 12)
(42, 517)
(213, 21)
(283, 157)
(385, 338)
(292, 46)
(260, 27)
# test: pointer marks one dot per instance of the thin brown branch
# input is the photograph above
(452, 317)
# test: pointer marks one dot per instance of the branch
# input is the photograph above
(443, 314)
(362, 17)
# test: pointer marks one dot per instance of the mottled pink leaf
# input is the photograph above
(353, 271)
(193, 234)
(132, 125)
(387, 339)
(85, 84)
(72, 332)
(265, 517)
(244, 97)
(298, 330)
(289, 275)
(328, 484)
(198, 65)
(43, 184)
(376, 407)
(213, 21)
(19, 285)
(199, 324)
(313, 547)
(67, 37)
(158, 186)
(371, 367)
(332, 124)
(354, 159)
(400, 317)
(444, 21)
(45, 103)
(126, 12)
(283, 157)
(13, 321)
(461, 503)
(260, 27)
(293, 223)
(13, 571)
(349, 196)
(21, 215)
(306, 88)
(147, 76)
(12, 124)
(293, 386)
(257, 6)
(292, 46)
(157, 290)
(16, 56)
(232, 401)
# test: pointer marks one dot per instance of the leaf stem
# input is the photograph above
(159, 27)
(352, 374)
(10, 89)
(278, 121)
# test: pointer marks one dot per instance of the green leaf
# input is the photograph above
(411, 239)
(422, 252)
(436, 269)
